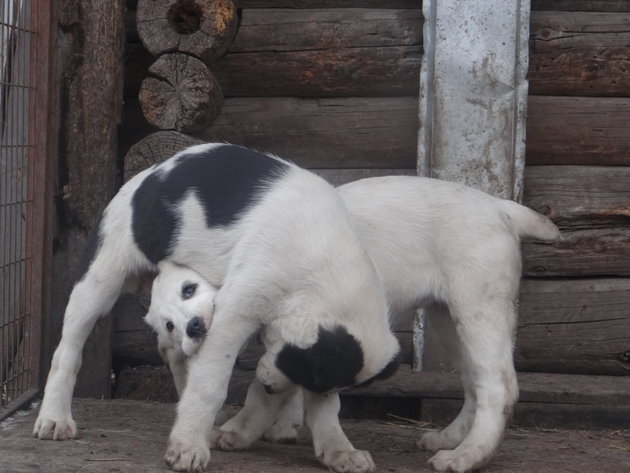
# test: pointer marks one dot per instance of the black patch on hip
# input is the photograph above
(332, 362)
(227, 181)
(386, 372)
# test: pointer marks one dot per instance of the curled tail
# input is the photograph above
(529, 223)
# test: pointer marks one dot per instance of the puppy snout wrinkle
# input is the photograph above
(196, 328)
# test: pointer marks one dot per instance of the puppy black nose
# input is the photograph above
(268, 389)
(195, 328)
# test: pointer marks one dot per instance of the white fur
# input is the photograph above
(435, 242)
(295, 249)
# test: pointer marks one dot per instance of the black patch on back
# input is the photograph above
(94, 243)
(227, 180)
(332, 362)
(386, 372)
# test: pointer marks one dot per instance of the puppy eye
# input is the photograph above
(170, 326)
(188, 290)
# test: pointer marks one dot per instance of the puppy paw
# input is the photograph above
(184, 456)
(352, 461)
(452, 460)
(55, 427)
(228, 441)
(436, 440)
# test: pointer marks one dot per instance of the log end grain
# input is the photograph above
(181, 94)
(154, 149)
(202, 28)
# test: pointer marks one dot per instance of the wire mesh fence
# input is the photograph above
(18, 327)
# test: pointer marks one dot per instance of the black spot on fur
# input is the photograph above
(386, 372)
(332, 362)
(94, 243)
(227, 180)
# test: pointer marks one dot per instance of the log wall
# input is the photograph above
(333, 85)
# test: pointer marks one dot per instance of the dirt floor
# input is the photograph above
(130, 436)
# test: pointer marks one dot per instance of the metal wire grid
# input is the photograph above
(17, 83)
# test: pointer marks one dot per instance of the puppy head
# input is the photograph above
(182, 306)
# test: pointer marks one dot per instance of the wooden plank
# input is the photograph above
(305, 4)
(281, 30)
(343, 133)
(576, 325)
(533, 387)
(538, 414)
(348, 72)
(341, 52)
(582, 5)
(579, 196)
(575, 53)
(583, 252)
(578, 130)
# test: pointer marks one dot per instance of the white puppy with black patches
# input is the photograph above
(432, 242)
(279, 243)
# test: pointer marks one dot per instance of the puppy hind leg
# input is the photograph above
(257, 416)
(487, 340)
(332, 447)
(290, 419)
(439, 321)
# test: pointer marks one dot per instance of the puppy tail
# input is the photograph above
(529, 223)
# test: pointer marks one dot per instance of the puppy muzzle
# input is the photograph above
(196, 328)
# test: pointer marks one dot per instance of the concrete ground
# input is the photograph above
(130, 436)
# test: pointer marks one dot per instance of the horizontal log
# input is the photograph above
(578, 130)
(307, 4)
(287, 30)
(343, 133)
(359, 52)
(574, 326)
(579, 196)
(533, 387)
(589, 252)
(573, 53)
(582, 5)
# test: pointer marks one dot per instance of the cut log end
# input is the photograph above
(181, 95)
(202, 28)
(154, 149)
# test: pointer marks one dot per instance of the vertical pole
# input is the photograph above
(473, 101)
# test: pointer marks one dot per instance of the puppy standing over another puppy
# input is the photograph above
(278, 242)
(435, 242)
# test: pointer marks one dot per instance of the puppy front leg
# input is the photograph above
(332, 447)
(206, 389)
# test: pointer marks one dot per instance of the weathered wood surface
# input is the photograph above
(539, 415)
(382, 132)
(580, 196)
(154, 149)
(358, 52)
(534, 387)
(574, 326)
(323, 53)
(202, 28)
(578, 130)
(564, 326)
(574, 53)
(307, 4)
(344, 132)
(583, 252)
(582, 5)
(180, 94)
(89, 63)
